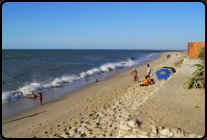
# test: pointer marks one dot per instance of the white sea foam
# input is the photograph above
(9, 96)
(102, 69)
(91, 72)
(69, 79)
(130, 63)
(36, 87)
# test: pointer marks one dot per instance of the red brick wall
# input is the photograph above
(192, 48)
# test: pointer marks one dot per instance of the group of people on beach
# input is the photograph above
(40, 96)
(168, 56)
(147, 80)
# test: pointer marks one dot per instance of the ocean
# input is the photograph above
(50, 68)
(27, 71)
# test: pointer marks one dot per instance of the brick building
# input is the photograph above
(192, 48)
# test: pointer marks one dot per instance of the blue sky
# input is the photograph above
(102, 25)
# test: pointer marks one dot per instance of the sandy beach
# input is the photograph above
(101, 109)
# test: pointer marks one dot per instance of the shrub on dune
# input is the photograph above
(198, 77)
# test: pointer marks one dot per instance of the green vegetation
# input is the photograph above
(198, 77)
(193, 82)
(201, 52)
(181, 59)
(200, 70)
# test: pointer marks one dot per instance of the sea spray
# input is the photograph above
(43, 86)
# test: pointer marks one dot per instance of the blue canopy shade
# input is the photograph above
(163, 74)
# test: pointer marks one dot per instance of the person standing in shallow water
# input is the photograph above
(135, 77)
(40, 96)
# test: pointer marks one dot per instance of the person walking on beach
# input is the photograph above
(148, 70)
(135, 77)
(40, 96)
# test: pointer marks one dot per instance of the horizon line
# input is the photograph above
(94, 49)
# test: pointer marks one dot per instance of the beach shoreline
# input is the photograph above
(91, 88)
(21, 105)
(74, 110)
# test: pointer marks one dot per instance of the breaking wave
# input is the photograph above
(39, 87)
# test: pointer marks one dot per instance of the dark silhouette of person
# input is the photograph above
(40, 96)
(33, 95)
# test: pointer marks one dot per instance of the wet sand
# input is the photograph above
(16, 107)
(94, 111)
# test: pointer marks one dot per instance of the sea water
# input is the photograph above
(27, 71)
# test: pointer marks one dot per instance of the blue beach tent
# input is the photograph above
(163, 74)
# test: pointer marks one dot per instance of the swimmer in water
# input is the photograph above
(33, 95)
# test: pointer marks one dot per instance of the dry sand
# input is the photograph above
(173, 106)
(97, 110)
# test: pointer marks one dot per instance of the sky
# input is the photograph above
(102, 25)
